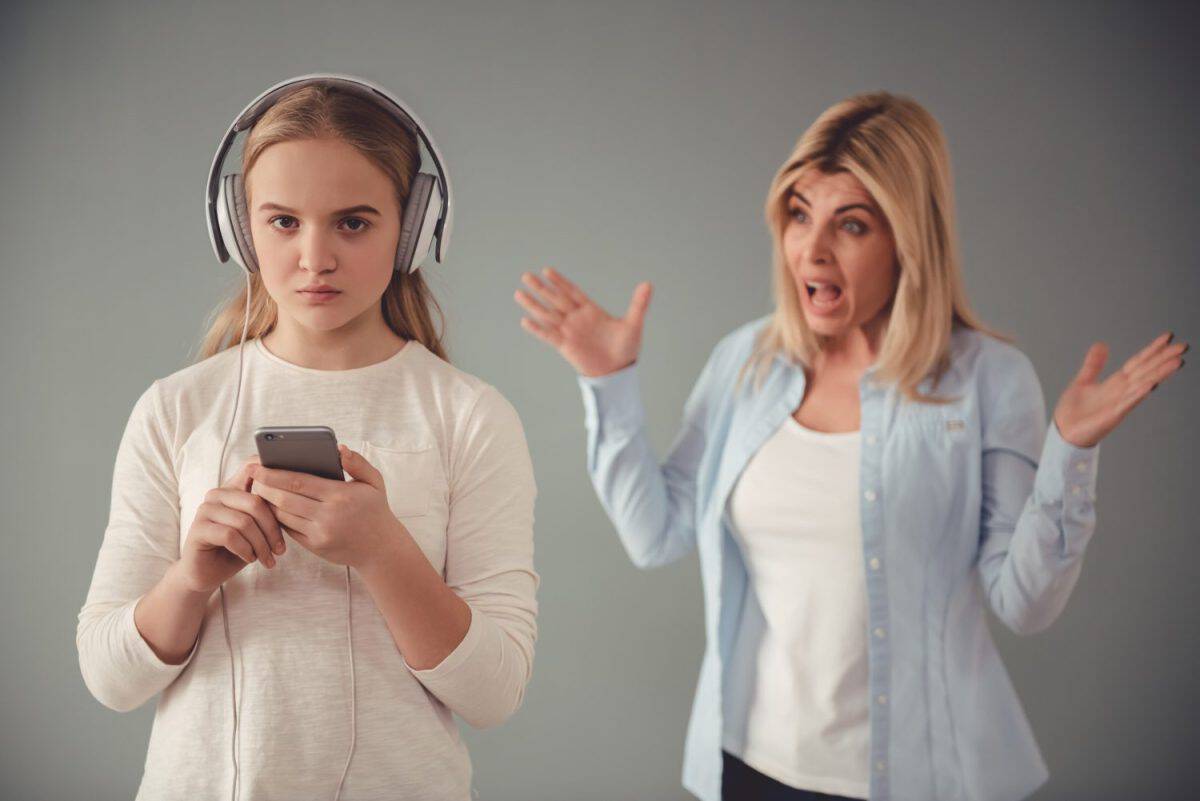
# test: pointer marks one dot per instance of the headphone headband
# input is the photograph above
(358, 86)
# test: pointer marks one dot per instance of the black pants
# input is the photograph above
(740, 782)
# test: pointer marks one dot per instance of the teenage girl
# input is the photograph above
(311, 638)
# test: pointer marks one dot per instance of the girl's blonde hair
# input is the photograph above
(896, 149)
(324, 112)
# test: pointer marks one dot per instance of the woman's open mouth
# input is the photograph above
(823, 297)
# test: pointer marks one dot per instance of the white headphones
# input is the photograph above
(428, 214)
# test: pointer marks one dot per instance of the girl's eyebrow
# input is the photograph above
(359, 209)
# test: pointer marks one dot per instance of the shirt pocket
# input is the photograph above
(408, 470)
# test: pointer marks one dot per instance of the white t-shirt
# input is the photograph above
(453, 455)
(799, 662)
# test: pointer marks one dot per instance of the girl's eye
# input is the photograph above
(362, 224)
(854, 226)
(797, 213)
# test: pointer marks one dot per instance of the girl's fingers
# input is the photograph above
(548, 335)
(573, 292)
(247, 525)
(256, 506)
(558, 299)
(546, 317)
(232, 540)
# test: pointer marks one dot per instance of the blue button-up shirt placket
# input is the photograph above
(871, 400)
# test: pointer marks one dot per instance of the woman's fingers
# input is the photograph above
(546, 317)
(636, 313)
(1147, 353)
(569, 289)
(1170, 355)
(550, 336)
(1093, 363)
(557, 297)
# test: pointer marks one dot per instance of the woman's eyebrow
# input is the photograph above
(359, 209)
(838, 210)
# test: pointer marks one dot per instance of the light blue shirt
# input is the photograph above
(962, 504)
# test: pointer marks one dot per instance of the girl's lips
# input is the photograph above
(318, 297)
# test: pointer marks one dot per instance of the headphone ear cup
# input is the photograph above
(234, 221)
(413, 226)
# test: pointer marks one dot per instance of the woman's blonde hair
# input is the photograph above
(324, 112)
(896, 149)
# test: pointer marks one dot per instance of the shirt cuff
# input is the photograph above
(461, 653)
(613, 400)
(1067, 473)
(144, 658)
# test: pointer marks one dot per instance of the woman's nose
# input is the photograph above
(816, 248)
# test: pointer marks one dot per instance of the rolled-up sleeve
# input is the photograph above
(140, 542)
(1038, 511)
(489, 564)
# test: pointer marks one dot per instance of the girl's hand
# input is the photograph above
(344, 522)
(594, 342)
(1089, 409)
(232, 528)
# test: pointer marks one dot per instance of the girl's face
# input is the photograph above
(322, 217)
(839, 250)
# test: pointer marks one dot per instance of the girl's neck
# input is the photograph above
(345, 348)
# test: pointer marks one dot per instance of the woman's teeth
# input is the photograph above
(823, 294)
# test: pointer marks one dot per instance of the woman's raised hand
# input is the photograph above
(232, 528)
(593, 341)
(1090, 409)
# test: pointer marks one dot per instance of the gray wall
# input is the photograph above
(619, 144)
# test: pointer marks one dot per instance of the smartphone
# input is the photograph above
(305, 449)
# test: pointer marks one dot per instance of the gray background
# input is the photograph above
(620, 144)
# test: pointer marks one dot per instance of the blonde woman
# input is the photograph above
(312, 638)
(863, 471)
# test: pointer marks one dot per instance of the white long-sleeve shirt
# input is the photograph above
(453, 455)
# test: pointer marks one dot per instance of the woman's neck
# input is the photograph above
(345, 348)
(853, 351)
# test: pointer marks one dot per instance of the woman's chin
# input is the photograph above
(825, 326)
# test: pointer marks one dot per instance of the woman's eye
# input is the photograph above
(274, 220)
(854, 226)
(363, 224)
(797, 214)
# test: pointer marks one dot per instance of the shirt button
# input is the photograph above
(874, 563)
(1076, 490)
(870, 496)
(1081, 467)
(879, 766)
(871, 439)
(879, 632)
(882, 699)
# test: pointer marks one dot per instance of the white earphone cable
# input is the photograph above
(224, 611)
(353, 692)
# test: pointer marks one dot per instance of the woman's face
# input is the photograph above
(839, 250)
(321, 214)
